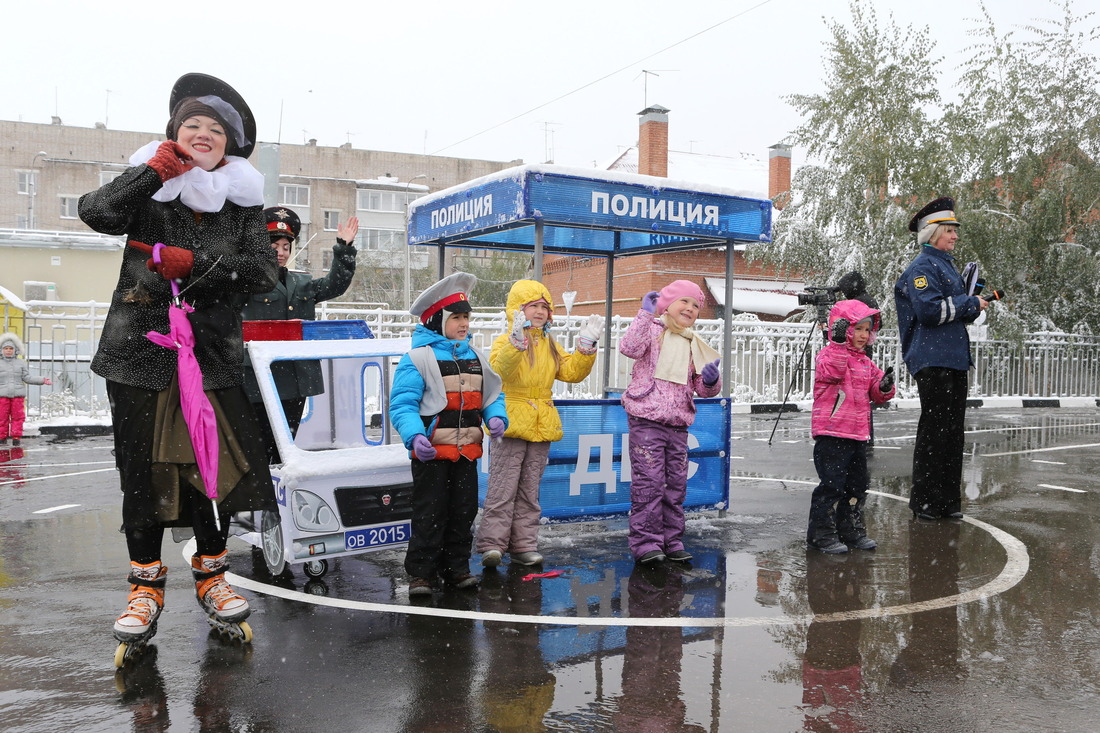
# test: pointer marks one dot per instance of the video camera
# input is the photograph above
(821, 297)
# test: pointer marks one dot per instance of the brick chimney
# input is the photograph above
(779, 174)
(653, 141)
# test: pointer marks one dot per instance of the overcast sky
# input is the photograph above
(469, 78)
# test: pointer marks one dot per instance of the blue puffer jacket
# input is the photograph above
(409, 387)
(933, 310)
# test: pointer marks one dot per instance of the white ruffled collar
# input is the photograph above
(207, 191)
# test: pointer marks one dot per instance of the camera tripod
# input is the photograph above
(805, 347)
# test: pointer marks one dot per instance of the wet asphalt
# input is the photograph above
(988, 624)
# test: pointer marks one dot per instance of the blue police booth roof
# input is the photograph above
(586, 212)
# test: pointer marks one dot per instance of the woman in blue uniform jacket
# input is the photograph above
(933, 311)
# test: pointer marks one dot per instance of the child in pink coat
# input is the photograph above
(671, 366)
(845, 384)
(14, 376)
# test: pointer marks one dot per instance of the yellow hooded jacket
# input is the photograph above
(528, 388)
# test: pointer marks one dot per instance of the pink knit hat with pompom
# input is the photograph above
(679, 289)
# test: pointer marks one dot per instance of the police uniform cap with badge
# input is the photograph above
(933, 215)
(282, 222)
(446, 297)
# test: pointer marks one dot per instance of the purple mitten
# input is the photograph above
(649, 301)
(423, 448)
(710, 373)
(496, 428)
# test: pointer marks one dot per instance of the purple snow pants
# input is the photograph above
(510, 517)
(658, 483)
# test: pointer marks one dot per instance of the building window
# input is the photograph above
(291, 194)
(381, 239)
(108, 176)
(370, 200)
(332, 221)
(68, 207)
(326, 260)
(26, 179)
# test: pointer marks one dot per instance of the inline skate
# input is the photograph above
(138, 623)
(225, 610)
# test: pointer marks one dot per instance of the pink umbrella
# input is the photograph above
(198, 413)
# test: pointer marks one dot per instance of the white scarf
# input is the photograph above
(207, 191)
(680, 348)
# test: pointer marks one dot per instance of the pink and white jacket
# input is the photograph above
(656, 399)
(845, 380)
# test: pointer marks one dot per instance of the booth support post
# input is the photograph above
(609, 288)
(727, 337)
(442, 264)
(538, 250)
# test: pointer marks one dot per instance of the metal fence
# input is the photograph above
(767, 358)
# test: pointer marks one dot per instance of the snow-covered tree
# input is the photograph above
(1018, 150)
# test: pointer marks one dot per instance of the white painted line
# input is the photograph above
(777, 480)
(1062, 488)
(886, 447)
(1041, 450)
(1005, 429)
(55, 508)
(55, 475)
(1014, 570)
(1053, 463)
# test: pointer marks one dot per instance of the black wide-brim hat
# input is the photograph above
(200, 85)
(940, 211)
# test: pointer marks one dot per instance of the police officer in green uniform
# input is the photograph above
(295, 297)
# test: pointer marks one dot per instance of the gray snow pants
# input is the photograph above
(510, 517)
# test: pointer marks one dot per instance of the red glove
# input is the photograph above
(175, 262)
(170, 160)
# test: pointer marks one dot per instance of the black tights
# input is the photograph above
(144, 543)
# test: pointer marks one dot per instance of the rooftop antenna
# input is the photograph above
(646, 73)
(548, 141)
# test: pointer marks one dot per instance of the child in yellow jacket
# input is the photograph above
(528, 359)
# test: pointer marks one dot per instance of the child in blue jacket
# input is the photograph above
(443, 390)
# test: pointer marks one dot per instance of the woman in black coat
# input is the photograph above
(197, 194)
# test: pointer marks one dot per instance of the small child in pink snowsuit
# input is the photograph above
(14, 378)
(671, 366)
(845, 384)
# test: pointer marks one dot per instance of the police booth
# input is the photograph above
(583, 212)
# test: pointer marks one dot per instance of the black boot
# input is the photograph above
(850, 528)
(821, 532)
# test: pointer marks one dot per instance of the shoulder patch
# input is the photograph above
(920, 283)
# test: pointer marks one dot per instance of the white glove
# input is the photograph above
(590, 334)
(517, 336)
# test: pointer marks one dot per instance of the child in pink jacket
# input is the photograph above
(845, 384)
(671, 366)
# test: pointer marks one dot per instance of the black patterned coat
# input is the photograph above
(232, 254)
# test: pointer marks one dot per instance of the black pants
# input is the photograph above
(841, 465)
(293, 409)
(144, 543)
(937, 455)
(444, 504)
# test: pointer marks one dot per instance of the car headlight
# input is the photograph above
(312, 514)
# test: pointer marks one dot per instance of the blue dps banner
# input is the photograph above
(589, 468)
